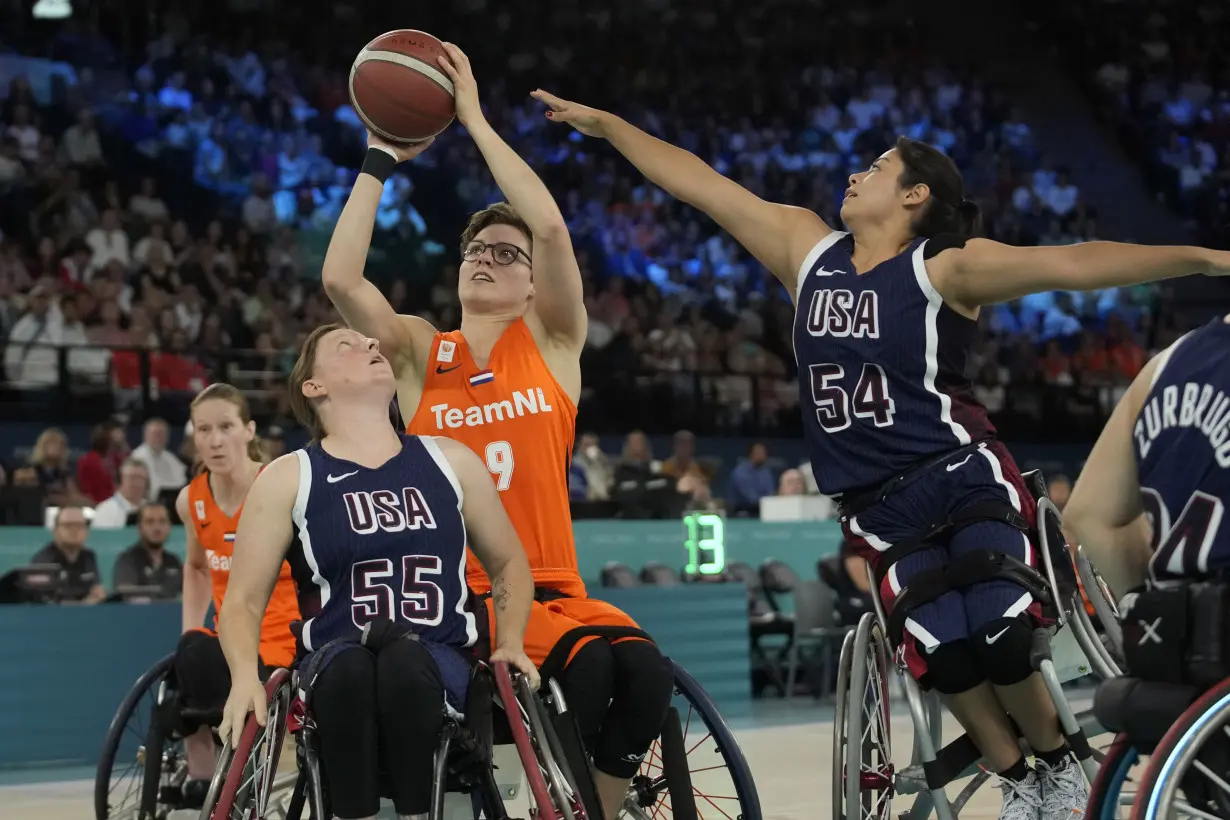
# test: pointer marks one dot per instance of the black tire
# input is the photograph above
(675, 768)
(116, 734)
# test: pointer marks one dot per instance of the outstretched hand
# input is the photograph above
(465, 89)
(591, 122)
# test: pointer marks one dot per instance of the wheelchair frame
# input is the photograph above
(862, 681)
(161, 772)
(546, 762)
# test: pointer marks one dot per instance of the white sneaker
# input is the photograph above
(1022, 798)
(1064, 792)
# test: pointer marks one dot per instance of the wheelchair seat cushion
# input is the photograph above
(1143, 710)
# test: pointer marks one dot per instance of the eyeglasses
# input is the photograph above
(503, 253)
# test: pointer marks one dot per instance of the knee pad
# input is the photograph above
(1002, 647)
(644, 685)
(588, 682)
(201, 674)
(953, 668)
(645, 677)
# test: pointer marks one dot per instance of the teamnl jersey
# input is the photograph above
(519, 421)
(385, 542)
(1182, 443)
(881, 366)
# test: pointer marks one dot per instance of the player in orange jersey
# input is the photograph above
(230, 458)
(506, 385)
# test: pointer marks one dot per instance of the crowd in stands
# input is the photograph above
(1161, 73)
(163, 220)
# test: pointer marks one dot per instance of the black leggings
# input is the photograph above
(201, 673)
(379, 714)
(620, 694)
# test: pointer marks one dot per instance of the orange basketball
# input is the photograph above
(399, 90)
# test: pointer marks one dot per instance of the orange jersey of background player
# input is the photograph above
(215, 530)
(519, 420)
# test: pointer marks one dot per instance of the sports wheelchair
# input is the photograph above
(864, 777)
(143, 767)
(1173, 705)
(679, 777)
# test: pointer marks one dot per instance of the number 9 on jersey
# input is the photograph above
(499, 458)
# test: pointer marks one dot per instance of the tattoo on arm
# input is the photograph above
(499, 593)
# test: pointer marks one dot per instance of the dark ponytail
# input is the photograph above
(946, 211)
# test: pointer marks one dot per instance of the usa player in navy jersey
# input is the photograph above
(885, 314)
(1150, 502)
(374, 524)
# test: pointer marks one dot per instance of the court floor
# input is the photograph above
(788, 746)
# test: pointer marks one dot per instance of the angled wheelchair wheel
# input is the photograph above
(1110, 796)
(1189, 770)
(246, 777)
(862, 747)
(695, 769)
(126, 776)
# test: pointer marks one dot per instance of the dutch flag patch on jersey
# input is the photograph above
(229, 537)
(482, 377)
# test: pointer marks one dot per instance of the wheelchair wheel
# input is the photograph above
(862, 748)
(1193, 757)
(518, 716)
(1109, 792)
(695, 768)
(245, 777)
(122, 766)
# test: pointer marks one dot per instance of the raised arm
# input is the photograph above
(361, 303)
(495, 542)
(985, 272)
(196, 581)
(779, 236)
(558, 302)
(261, 542)
(1104, 511)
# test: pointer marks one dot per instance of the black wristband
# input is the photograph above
(379, 163)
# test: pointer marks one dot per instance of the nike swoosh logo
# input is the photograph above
(993, 638)
(333, 479)
(823, 272)
(952, 467)
(442, 370)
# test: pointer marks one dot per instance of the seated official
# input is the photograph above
(80, 581)
(146, 571)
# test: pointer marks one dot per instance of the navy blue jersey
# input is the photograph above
(1182, 443)
(381, 543)
(881, 366)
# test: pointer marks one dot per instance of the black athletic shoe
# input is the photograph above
(194, 792)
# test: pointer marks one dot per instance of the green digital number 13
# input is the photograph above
(700, 547)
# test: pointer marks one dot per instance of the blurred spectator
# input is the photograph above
(120, 510)
(596, 466)
(750, 481)
(80, 145)
(1059, 489)
(790, 483)
(30, 358)
(682, 461)
(95, 478)
(49, 458)
(166, 471)
(638, 454)
(79, 578)
(146, 564)
(148, 206)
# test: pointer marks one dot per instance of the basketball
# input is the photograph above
(399, 90)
